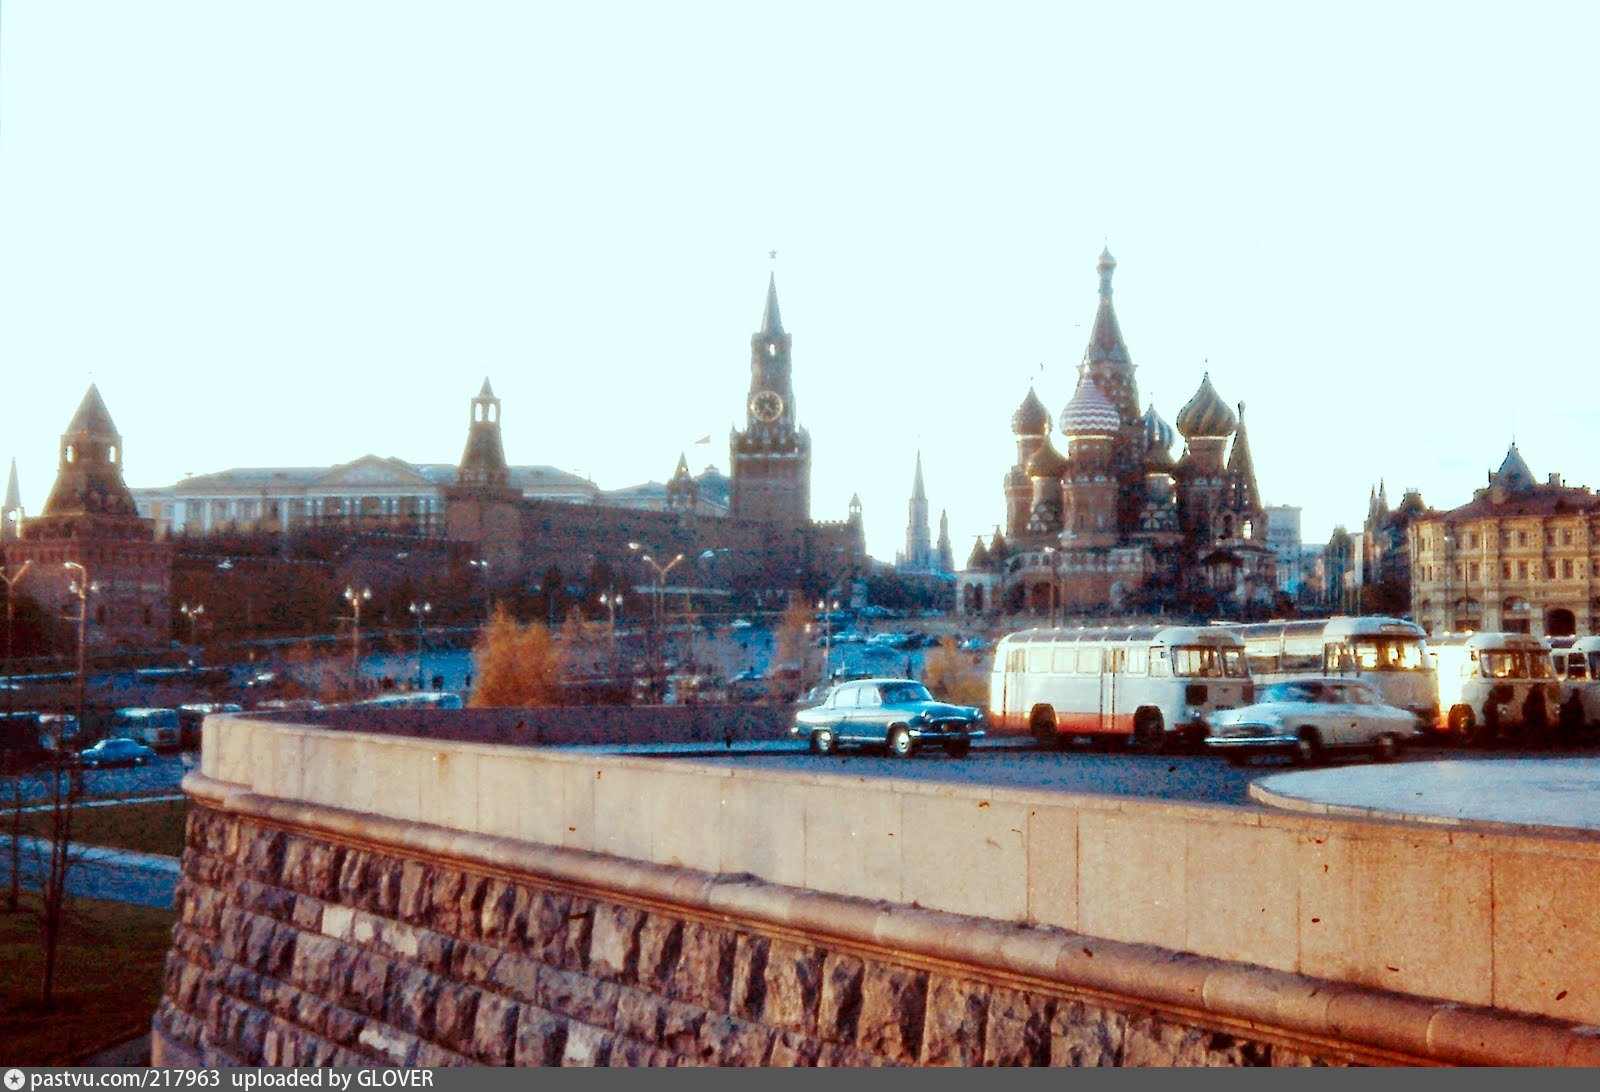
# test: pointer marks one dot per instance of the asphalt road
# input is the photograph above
(143, 879)
(162, 775)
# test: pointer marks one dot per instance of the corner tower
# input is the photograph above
(771, 455)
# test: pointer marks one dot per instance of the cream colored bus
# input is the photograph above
(1494, 685)
(1148, 685)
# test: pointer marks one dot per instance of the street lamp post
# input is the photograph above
(355, 597)
(81, 587)
(482, 565)
(611, 601)
(11, 580)
(193, 613)
(419, 610)
(827, 635)
(658, 613)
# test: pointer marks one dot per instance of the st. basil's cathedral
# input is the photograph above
(1115, 523)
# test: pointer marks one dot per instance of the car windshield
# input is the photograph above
(1288, 692)
(1388, 653)
(902, 693)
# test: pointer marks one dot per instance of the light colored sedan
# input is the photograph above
(1309, 718)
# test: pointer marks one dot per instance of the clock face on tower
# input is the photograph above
(766, 406)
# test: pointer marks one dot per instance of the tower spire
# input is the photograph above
(771, 320)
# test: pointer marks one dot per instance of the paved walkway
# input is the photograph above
(97, 872)
(1552, 794)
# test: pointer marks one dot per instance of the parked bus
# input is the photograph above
(1577, 666)
(1389, 654)
(157, 729)
(1151, 685)
(1494, 684)
(414, 699)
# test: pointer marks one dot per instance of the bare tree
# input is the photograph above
(65, 788)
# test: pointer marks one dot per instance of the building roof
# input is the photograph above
(1089, 413)
(1513, 472)
(1206, 415)
(1031, 418)
(1535, 500)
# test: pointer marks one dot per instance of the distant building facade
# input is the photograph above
(1521, 555)
(90, 531)
(1115, 522)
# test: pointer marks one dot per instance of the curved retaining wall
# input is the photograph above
(363, 898)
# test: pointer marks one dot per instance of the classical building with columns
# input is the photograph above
(1115, 522)
(1522, 556)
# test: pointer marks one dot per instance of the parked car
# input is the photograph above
(116, 752)
(1310, 717)
(896, 714)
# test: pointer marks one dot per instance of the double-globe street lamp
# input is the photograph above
(612, 601)
(657, 612)
(81, 587)
(355, 597)
(193, 613)
(827, 610)
(419, 611)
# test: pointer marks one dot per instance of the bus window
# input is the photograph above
(1263, 663)
(1302, 654)
(1197, 662)
(1138, 661)
(1336, 660)
(1576, 668)
(1594, 664)
(1387, 654)
(1039, 660)
(1538, 665)
(1088, 661)
(1234, 665)
(1115, 661)
(1160, 665)
(1066, 660)
(1014, 661)
(1502, 665)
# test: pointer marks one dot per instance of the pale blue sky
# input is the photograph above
(294, 233)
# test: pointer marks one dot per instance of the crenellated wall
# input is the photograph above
(353, 897)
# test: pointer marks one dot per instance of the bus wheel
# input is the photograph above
(1386, 748)
(1043, 729)
(1462, 729)
(1149, 737)
(1308, 748)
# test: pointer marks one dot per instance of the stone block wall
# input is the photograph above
(296, 947)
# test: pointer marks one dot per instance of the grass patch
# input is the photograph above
(108, 979)
(148, 827)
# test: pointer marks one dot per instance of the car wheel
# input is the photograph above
(1308, 747)
(823, 741)
(1386, 748)
(900, 744)
(1149, 737)
(958, 748)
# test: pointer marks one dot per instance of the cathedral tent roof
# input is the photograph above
(771, 320)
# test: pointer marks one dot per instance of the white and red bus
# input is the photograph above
(1148, 685)
(1389, 654)
(1493, 685)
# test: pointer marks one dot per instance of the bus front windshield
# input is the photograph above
(1208, 662)
(1388, 653)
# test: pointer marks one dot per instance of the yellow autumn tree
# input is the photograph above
(955, 676)
(515, 665)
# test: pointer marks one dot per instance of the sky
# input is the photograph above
(297, 233)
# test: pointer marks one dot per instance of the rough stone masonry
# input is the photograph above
(296, 949)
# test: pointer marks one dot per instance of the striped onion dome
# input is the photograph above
(1031, 418)
(1157, 433)
(1206, 414)
(1047, 462)
(1089, 413)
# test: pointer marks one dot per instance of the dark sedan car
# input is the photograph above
(116, 752)
(896, 714)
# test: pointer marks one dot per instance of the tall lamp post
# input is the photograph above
(482, 565)
(658, 612)
(355, 597)
(612, 600)
(11, 580)
(419, 611)
(827, 635)
(81, 587)
(193, 613)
